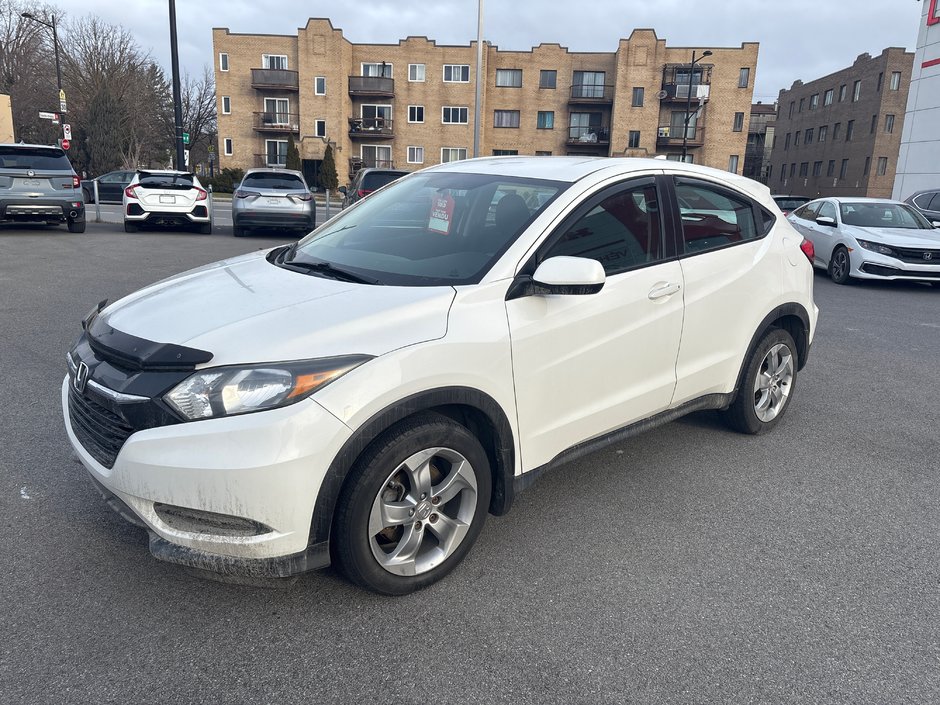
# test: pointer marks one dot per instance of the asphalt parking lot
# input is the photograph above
(689, 565)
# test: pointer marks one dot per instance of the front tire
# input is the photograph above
(840, 265)
(768, 383)
(412, 506)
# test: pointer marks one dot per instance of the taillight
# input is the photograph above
(76, 182)
(201, 194)
(302, 196)
(244, 194)
(808, 250)
(129, 192)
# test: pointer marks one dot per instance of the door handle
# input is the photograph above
(663, 289)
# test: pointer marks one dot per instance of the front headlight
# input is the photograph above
(224, 391)
(877, 247)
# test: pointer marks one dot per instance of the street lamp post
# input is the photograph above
(688, 103)
(55, 43)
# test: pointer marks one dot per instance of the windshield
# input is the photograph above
(39, 158)
(285, 182)
(883, 215)
(430, 229)
(182, 182)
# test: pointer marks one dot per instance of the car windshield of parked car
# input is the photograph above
(275, 181)
(430, 229)
(37, 158)
(883, 215)
(180, 182)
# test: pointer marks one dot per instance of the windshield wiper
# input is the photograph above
(328, 269)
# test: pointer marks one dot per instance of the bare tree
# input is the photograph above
(197, 96)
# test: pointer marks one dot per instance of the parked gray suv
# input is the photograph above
(38, 185)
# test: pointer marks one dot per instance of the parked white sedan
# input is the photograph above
(870, 238)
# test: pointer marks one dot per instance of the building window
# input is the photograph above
(889, 123)
(547, 78)
(416, 154)
(738, 122)
(509, 78)
(874, 124)
(588, 84)
(451, 115)
(809, 135)
(817, 168)
(792, 105)
(882, 166)
(545, 120)
(275, 152)
(744, 76)
(831, 167)
(415, 113)
(382, 70)
(827, 97)
(226, 105)
(895, 81)
(505, 152)
(844, 169)
(856, 91)
(849, 130)
(786, 142)
(836, 130)
(638, 97)
(783, 172)
(453, 154)
(276, 111)
(416, 75)
(319, 128)
(227, 146)
(223, 62)
(319, 85)
(733, 163)
(793, 170)
(796, 138)
(823, 132)
(804, 170)
(814, 101)
(505, 118)
(842, 93)
(802, 103)
(274, 61)
(867, 166)
(881, 80)
(633, 141)
(542, 153)
(457, 73)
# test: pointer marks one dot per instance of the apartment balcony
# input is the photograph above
(284, 123)
(593, 136)
(357, 163)
(679, 92)
(271, 160)
(372, 86)
(275, 79)
(591, 94)
(371, 128)
(671, 136)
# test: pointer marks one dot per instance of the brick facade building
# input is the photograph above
(839, 135)
(411, 104)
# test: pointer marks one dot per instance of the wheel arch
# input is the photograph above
(473, 409)
(791, 317)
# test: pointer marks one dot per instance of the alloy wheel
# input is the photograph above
(773, 383)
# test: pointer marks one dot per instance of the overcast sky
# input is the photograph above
(799, 39)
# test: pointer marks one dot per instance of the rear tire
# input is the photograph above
(76, 226)
(205, 229)
(238, 231)
(130, 227)
(767, 386)
(840, 265)
(413, 505)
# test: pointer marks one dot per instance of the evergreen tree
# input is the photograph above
(293, 155)
(328, 178)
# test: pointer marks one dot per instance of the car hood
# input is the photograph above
(247, 310)
(900, 237)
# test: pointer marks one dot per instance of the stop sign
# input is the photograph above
(65, 144)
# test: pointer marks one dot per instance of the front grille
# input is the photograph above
(907, 254)
(900, 273)
(100, 431)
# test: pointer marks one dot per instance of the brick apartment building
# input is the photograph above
(410, 104)
(760, 139)
(839, 135)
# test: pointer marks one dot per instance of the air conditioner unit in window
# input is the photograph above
(664, 132)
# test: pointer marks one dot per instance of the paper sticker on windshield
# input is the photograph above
(442, 211)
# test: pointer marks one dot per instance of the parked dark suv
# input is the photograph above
(927, 202)
(366, 181)
(38, 185)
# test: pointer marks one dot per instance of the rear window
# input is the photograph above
(375, 180)
(179, 182)
(789, 204)
(38, 158)
(274, 181)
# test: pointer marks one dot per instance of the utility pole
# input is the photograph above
(55, 44)
(177, 104)
(479, 81)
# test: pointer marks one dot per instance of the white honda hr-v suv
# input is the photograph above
(370, 393)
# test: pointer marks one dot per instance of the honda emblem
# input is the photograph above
(81, 378)
(928, 255)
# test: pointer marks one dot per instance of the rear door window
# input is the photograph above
(35, 158)
(828, 210)
(713, 217)
(807, 212)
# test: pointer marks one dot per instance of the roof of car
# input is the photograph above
(31, 146)
(860, 199)
(165, 171)
(269, 170)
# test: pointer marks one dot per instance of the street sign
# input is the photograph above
(186, 157)
(66, 144)
(185, 138)
(62, 105)
(66, 130)
(48, 116)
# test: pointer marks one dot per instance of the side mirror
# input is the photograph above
(936, 223)
(561, 276)
(342, 190)
(826, 220)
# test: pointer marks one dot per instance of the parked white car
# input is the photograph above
(870, 238)
(166, 198)
(380, 386)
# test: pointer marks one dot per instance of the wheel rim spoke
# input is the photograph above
(449, 532)
(456, 481)
(402, 559)
(386, 514)
(418, 468)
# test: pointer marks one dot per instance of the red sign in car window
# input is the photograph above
(442, 211)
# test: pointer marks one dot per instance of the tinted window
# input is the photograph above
(826, 210)
(789, 204)
(883, 215)
(622, 231)
(375, 180)
(712, 216)
(180, 182)
(807, 212)
(935, 203)
(274, 181)
(38, 158)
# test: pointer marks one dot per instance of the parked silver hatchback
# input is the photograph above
(38, 185)
(273, 198)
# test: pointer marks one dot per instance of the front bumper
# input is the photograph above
(871, 265)
(234, 495)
